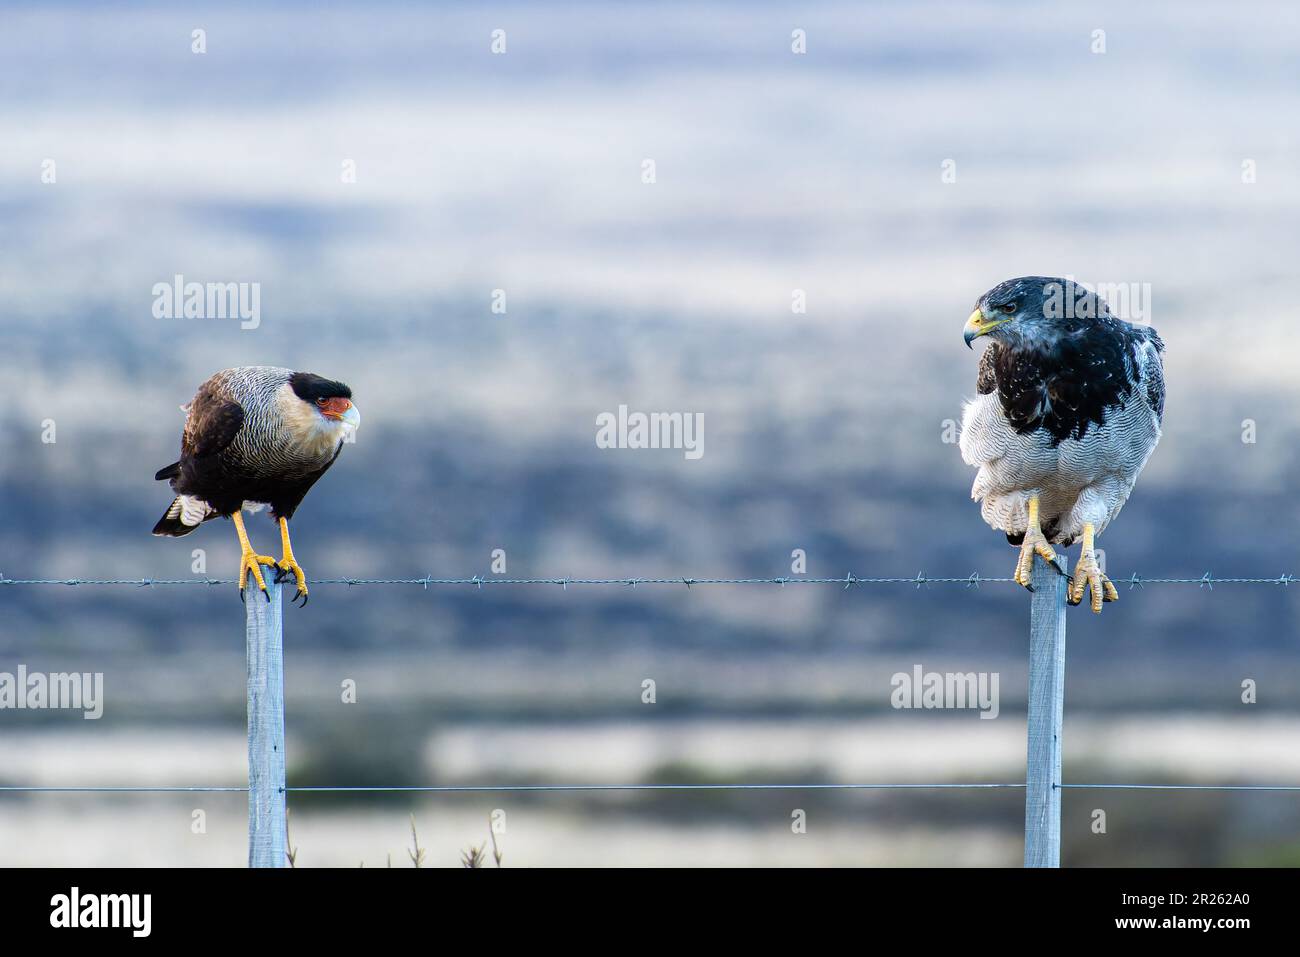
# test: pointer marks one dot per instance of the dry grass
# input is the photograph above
(476, 856)
(472, 856)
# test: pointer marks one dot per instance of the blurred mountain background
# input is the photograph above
(828, 430)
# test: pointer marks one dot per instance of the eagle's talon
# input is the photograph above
(1088, 576)
(1035, 543)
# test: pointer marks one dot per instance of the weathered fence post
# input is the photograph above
(1046, 703)
(266, 798)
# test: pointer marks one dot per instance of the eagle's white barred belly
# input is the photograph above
(1078, 480)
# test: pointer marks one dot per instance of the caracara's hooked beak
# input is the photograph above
(976, 326)
(341, 410)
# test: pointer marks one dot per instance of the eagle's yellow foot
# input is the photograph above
(1087, 573)
(251, 563)
(1035, 542)
(288, 565)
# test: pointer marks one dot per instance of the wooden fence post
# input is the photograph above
(266, 797)
(1046, 704)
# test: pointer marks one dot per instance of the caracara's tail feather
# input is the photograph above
(183, 516)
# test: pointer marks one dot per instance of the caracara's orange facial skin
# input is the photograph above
(334, 408)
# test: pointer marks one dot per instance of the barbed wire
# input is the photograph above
(974, 580)
(110, 789)
(1184, 787)
(492, 788)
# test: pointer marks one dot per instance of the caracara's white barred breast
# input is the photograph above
(279, 432)
(1080, 480)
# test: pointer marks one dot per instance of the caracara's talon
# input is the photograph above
(251, 564)
(286, 568)
(301, 593)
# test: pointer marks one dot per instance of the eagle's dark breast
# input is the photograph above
(1067, 388)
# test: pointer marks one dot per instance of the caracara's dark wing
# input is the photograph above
(212, 424)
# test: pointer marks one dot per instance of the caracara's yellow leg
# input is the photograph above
(249, 560)
(1035, 543)
(1088, 573)
(287, 564)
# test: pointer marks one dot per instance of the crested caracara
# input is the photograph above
(1069, 409)
(256, 436)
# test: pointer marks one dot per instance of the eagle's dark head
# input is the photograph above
(1034, 312)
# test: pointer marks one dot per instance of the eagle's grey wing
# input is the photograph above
(986, 377)
(1151, 374)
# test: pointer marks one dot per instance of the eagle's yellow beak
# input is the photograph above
(977, 326)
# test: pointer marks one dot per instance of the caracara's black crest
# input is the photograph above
(309, 387)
